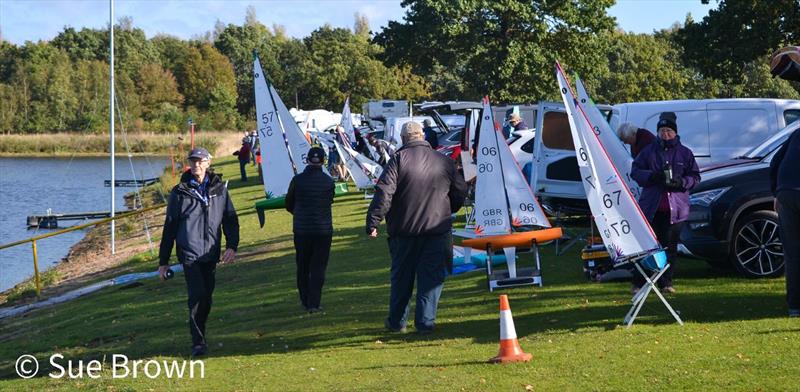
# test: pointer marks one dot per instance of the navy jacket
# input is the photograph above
(684, 167)
(309, 200)
(195, 226)
(784, 170)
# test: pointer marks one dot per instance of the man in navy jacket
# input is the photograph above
(785, 182)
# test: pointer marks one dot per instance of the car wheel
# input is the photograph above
(756, 248)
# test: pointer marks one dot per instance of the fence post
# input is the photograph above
(36, 269)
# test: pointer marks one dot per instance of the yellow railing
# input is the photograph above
(33, 240)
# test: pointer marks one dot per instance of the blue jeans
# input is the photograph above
(423, 258)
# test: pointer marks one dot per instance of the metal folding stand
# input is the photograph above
(573, 237)
(641, 296)
(513, 276)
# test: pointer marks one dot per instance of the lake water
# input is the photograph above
(29, 186)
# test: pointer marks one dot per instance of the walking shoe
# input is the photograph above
(668, 289)
(424, 331)
(794, 312)
(389, 328)
(199, 350)
(317, 309)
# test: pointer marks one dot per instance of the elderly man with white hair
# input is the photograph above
(417, 193)
(637, 138)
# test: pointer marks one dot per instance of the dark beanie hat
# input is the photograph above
(667, 119)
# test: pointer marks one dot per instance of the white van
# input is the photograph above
(714, 129)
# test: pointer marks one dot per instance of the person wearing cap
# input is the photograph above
(430, 134)
(666, 170)
(417, 193)
(637, 138)
(199, 211)
(309, 201)
(785, 185)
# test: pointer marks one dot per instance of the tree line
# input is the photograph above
(440, 50)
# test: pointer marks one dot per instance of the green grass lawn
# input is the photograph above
(736, 337)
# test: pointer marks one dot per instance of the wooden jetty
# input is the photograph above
(50, 221)
(132, 183)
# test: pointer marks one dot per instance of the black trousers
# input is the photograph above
(312, 252)
(789, 216)
(200, 281)
(668, 236)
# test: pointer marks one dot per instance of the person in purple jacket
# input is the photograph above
(666, 170)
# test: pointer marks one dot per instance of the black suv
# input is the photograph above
(732, 219)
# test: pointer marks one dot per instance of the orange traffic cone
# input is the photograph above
(510, 351)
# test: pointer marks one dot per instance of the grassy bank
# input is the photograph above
(736, 335)
(67, 144)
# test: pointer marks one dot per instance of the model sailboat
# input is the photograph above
(627, 236)
(620, 157)
(364, 171)
(283, 144)
(504, 203)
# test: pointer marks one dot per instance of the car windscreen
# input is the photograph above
(772, 143)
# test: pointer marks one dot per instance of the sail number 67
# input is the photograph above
(608, 201)
(621, 227)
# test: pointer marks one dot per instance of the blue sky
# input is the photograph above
(22, 20)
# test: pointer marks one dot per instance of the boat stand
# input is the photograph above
(641, 296)
(513, 276)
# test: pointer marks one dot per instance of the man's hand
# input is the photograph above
(229, 256)
(162, 271)
(373, 233)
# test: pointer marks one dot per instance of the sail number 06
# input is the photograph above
(485, 168)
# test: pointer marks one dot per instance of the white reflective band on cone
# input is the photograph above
(507, 330)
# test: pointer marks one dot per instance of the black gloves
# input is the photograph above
(674, 185)
(658, 177)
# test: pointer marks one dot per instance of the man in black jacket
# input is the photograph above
(417, 193)
(309, 200)
(785, 182)
(199, 206)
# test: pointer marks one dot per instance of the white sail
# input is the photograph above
(620, 157)
(375, 170)
(347, 121)
(295, 138)
(525, 209)
(360, 177)
(624, 230)
(466, 156)
(277, 164)
(491, 206)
